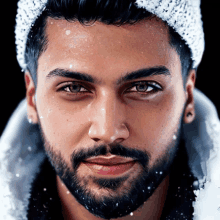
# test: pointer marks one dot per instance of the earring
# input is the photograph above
(30, 121)
(189, 114)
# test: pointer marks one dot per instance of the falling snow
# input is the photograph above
(68, 32)
(26, 27)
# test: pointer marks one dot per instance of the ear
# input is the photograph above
(189, 114)
(30, 97)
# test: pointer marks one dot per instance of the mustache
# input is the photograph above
(141, 156)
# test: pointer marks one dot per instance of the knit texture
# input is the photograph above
(183, 15)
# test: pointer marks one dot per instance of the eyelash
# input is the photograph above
(72, 93)
(153, 85)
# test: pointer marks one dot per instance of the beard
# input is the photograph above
(123, 195)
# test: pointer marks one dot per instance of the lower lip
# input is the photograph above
(110, 170)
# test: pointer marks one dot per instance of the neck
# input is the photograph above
(72, 210)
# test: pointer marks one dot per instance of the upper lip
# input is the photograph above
(109, 160)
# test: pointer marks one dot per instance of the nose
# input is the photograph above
(108, 121)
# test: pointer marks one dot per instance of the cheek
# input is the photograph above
(63, 124)
(155, 124)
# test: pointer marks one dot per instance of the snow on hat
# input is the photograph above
(184, 16)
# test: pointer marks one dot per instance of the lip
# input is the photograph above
(109, 166)
(112, 170)
(108, 161)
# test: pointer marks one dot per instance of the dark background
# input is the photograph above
(12, 86)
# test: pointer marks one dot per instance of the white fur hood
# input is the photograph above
(21, 153)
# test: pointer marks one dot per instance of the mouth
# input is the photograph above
(109, 166)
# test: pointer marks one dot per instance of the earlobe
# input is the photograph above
(189, 117)
(30, 97)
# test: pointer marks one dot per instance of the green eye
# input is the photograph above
(73, 88)
(146, 87)
(142, 87)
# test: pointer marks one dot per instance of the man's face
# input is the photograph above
(97, 97)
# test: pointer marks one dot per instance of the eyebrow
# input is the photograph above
(146, 72)
(71, 74)
(158, 70)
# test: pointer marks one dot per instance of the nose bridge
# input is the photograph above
(108, 119)
(108, 111)
(108, 115)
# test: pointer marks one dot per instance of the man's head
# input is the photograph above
(105, 90)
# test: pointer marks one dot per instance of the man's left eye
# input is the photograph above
(146, 87)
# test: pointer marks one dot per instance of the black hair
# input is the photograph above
(110, 12)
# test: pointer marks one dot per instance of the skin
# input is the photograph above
(105, 113)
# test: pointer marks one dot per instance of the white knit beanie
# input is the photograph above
(184, 16)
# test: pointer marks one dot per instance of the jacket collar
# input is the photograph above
(22, 153)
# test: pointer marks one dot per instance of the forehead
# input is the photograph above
(100, 47)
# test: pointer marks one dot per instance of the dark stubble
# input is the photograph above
(132, 198)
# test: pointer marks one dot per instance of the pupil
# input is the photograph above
(75, 88)
(141, 88)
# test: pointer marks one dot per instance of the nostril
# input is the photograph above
(96, 139)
